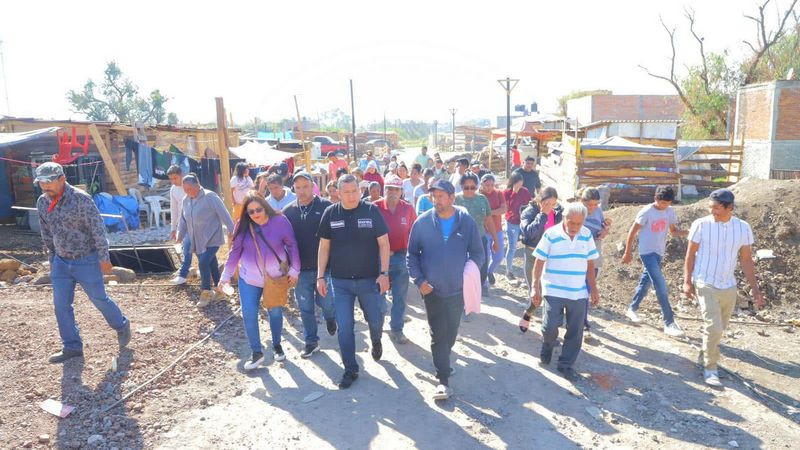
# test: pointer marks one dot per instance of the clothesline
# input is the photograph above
(30, 163)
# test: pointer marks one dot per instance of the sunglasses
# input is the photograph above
(258, 210)
(469, 188)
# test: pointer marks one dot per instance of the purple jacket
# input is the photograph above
(278, 232)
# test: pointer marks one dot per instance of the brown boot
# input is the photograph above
(206, 296)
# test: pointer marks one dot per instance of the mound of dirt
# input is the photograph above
(767, 205)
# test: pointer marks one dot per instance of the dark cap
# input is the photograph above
(463, 161)
(722, 196)
(283, 168)
(475, 162)
(530, 158)
(48, 171)
(443, 185)
(302, 174)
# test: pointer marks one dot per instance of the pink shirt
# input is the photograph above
(551, 220)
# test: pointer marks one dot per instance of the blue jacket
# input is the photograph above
(442, 264)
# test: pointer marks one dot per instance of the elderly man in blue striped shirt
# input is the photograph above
(564, 265)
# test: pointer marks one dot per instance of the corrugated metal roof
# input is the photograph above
(606, 122)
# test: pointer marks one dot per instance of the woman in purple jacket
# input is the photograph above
(275, 239)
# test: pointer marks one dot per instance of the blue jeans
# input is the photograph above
(398, 277)
(513, 232)
(187, 258)
(652, 275)
(250, 298)
(209, 267)
(306, 296)
(495, 257)
(64, 274)
(345, 292)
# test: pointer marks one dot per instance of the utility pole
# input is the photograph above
(306, 150)
(5, 80)
(453, 112)
(436, 134)
(384, 125)
(353, 118)
(508, 86)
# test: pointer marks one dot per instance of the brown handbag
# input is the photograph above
(276, 290)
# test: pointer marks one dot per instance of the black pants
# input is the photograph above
(444, 317)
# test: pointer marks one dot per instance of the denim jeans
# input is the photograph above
(513, 232)
(398, 277)
(444, 317)
(652, 275)
(250, 298)
(64, 274)
(345, 292)
(495, 257)
(306, 296)
(553, 311)
(209, 267)
(187, 258)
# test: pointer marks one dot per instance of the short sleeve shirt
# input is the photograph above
(353, 234)
(478, 208)
(655, 224)
(496, 200)
(399, 223)
(566, 262)
(719, 250)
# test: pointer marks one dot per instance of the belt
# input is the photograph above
(403, 251)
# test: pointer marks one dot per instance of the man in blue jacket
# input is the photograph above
(442, 240)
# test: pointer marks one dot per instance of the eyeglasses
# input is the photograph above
(258, 210)
(469, 188)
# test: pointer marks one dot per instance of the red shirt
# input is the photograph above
(374, 177)
(496, 200)
(515, 203)
(399, 223)
(516, 159)
(334, 166)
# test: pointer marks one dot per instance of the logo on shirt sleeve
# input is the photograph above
(337, 224)
(364, 223)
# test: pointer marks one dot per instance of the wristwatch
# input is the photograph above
(385, 273)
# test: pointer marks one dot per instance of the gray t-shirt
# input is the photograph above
(655, 225)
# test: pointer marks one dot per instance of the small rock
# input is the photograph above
(23, 279)
(8, 264)
(109, 278)
(8, 275)
(27, 444)
(733, 444)
(95, 439)
(595, 412)
(123, 274)
(43, 278)
(312, 396)
(44, 438)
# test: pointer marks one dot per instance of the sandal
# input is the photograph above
(525, 322)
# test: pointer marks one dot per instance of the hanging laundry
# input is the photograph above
(179, 159)
(145, 165)
(131, 152)
(161, 162)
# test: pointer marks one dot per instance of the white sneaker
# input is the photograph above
(442, 392)
(631, 314)
(712, 379)
(178, 280)
(255, 362)
(674, 330)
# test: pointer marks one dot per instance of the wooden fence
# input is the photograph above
(712, 167)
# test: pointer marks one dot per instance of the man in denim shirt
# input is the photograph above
(75, 237)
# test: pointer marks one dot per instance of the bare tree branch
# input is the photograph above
(704, 75)
(765, 39)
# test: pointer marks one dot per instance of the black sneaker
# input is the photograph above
(124, 335)
(255, 361)
(510, 276)
(377, 350)
(331, 324)
(347, 379)
(309, 350)
(569, 374)
(279, 355)
(545, 357)
(491, 279)
(64, 355)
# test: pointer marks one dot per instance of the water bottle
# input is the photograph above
(227, 289)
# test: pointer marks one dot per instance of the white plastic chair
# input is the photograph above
(156, 213)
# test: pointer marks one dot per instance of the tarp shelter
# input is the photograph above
(9, 139)
(260, 154)
(6, 141)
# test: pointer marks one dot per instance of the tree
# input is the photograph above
(117, 98)
(562, 101)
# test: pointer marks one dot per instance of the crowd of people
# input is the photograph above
(369, 234)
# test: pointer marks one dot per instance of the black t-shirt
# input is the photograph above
(305, 223)
(354, 239)
(530, 180)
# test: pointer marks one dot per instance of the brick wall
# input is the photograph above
(648, 107)
(788, 123)
(755, 113)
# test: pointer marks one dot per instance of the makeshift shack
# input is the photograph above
(631, 171)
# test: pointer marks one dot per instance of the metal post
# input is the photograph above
(353, 119)
(508, 87)
(384, 126)
(436, 134)
(453, 112)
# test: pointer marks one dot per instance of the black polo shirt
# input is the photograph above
(305, 223)
(354, 237)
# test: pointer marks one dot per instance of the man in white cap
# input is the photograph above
(75, 237)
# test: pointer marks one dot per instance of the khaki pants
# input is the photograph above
(716, 306)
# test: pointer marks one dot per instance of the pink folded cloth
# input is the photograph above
(472, 288)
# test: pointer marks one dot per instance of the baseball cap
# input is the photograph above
(722, 196)
(48, 171)
(302, 174)
(283, 168)
(443, 185)
(464, 161)
(487, 177)
(475, 162)
(392, 165)
(393, 182)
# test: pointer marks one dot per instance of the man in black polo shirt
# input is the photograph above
(530, 177)
(305, 214)
(354, 237)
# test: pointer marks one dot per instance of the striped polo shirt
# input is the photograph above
(566, 261)
(718, 252)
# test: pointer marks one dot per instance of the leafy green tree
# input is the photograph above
(117, 98)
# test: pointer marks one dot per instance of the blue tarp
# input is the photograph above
(125, 206)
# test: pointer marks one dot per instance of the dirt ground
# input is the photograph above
(640, 389)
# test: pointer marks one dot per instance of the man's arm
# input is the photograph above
(384, 250)
(594, 295)
(97, 228)
(322, 264)
(677, 231)
(223, 213)
(629, 242)
(749, 269)
(536, 296)
(688, 268)
(47, 234)
(174, 214)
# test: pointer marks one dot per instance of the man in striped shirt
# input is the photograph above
(715, 242)
(564, 265)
